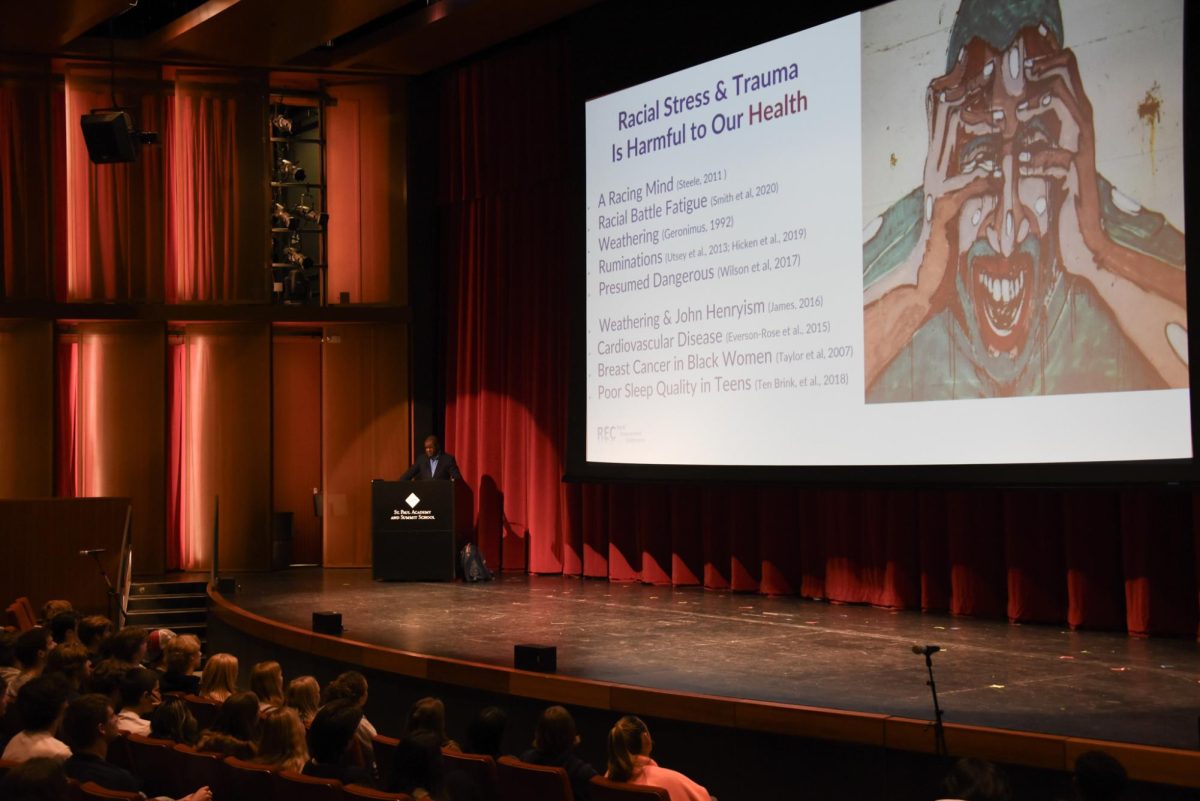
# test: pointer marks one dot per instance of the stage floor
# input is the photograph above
(1024, 677)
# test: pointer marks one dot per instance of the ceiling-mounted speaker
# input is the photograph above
(109, 136)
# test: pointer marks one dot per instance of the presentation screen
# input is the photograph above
(902, 237)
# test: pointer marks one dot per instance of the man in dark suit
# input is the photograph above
(433, 465)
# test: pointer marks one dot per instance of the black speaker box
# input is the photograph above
(109, 137)
(327, 623)
(540, 658)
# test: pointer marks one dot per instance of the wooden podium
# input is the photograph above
(412, 530)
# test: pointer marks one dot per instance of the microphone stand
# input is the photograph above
(112, 591)
(939, 731)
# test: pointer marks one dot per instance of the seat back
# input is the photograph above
(351, 791)
(248, 780)
(603, 789)
(480, 768)
(520, 781)
(5, 765)
(385, 753)
(90, 790)
(152, 760)
(194, 769)
(298, 787)
(203, 709)
(21, 614)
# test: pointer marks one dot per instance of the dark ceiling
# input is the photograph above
(406, 37)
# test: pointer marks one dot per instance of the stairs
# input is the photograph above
(180, 605)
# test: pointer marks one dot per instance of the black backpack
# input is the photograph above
(473, 566)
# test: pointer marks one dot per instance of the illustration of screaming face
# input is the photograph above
(1008, 251)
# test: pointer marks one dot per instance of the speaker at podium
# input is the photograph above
(412, 530)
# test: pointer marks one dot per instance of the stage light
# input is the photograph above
(310, 214)
(282, 219)
(282, 124)
(293, 255)
(290, 171)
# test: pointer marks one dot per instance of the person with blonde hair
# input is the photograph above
(304, 695)
(266, 681)
(629, 746)
(282, 743)
(219, 680)
(181, 659)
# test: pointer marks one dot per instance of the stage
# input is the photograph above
(1029, 678)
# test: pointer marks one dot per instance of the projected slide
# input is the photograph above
(849, 246)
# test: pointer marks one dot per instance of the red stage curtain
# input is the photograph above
(115, 222)
(66, 399)
(176, 414)
(217, 209)
(1090, 558)
(26, 408)
(27, 197)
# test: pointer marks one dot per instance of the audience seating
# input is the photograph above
(151, 760)
(481, 769)
(195, 769)
(5, 764)
(118, 752)
(520, 781)
(603, 789)
(294, 786)
(352, 791)
(90, 790)
(21, 614)
(203, 709)
(385, 752)
(248, 779)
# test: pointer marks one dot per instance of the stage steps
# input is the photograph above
(180, 605)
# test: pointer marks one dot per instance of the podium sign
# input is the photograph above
(412, 530)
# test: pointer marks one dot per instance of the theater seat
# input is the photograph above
(5, 764)
(153, 761)
(292, 786)
(21, 615)
(90, 790)
(248, 779)
(359, 791)
(385, 753)
(481, 769)
(194, 769)
(520, 781)
(607, 790)
(203, 709)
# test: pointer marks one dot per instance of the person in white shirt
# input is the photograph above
(139, 697)
(41, 703)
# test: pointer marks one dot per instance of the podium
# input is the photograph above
(412, 530)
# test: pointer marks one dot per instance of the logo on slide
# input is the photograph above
(412, 500)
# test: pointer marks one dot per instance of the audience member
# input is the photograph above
(429, 714)
(72, 662)
(90, 726)
(156, 644)
(40, 703)
(1099, 777)
(330, 740)
(31, 649)
(139, 697)
(304, 695)
(975, 780)
(128, 646)
(93, 630)
(352, 686)
(64, 627)
(486, 732)
(266, 681)
(554, 742)
(37, 779)
(417, 766)
(172, 720)
(9, 669)
(54, 608)
(629, 747)
(282, 743)
(181, 660)
(234, 729)
(106, 680)
(219, 680)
